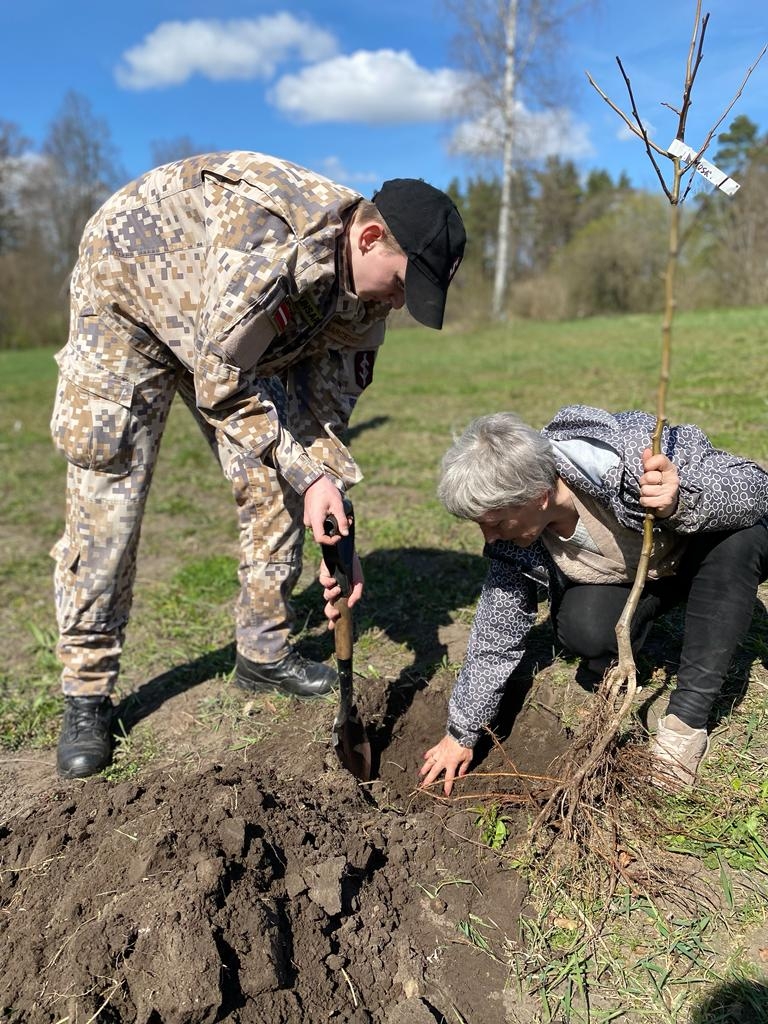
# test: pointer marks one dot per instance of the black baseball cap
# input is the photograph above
(429, 229)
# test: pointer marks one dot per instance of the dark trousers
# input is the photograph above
(717, 580)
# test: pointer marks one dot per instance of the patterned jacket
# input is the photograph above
(599, 454)
(235, 264)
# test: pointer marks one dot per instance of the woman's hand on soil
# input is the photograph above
(447, 756)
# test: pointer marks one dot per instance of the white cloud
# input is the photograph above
(378, 87)
(538, 134)
(18, 171)
(333, 167)
(625, 133)
(220, 50)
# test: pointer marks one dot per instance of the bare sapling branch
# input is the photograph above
(711, 133)
(649, 148)
(587, 767)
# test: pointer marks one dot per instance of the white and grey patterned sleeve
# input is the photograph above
(505, 614)
(718, 491)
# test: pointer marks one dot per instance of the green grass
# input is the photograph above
(666, 949)
(427, 386)
(132, 752)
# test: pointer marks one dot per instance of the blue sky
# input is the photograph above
(354, 89)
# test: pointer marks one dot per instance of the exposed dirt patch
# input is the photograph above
(262, 884)
(247, 878)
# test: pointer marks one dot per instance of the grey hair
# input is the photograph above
(497, 461)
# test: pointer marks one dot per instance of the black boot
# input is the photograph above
(292, 675)
(85, 744)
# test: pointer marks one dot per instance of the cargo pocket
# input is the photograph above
(66, 555)
(92, 415)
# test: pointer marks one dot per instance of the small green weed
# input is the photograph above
(248, 718)
(133, 752)
(473, 929)
(433, 891)
(493, 826)
(44, 648)
(30, 715)
(734, 827)
(211, 579)
(224, 709)
(246, 742)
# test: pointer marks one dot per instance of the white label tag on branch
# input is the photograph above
(704, 167)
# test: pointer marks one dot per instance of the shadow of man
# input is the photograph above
(413, 592)
(734, 1002)
(410, 594)
(150, 696)
(373, 423)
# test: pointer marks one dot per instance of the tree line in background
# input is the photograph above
(575, 247)
(598, 246)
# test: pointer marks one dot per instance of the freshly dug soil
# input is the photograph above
(262, 885)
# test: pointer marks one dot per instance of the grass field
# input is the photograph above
(427, 385)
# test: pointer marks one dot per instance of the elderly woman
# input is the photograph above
(565, 507)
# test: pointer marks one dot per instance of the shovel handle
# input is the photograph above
(339, 561)
(343, 631)
(339, 558)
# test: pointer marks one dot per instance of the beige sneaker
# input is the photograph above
(677, 750)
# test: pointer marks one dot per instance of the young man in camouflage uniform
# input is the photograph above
(258, 291)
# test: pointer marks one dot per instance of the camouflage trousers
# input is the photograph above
(111, 407)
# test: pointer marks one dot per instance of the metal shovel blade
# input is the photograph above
(353, 749)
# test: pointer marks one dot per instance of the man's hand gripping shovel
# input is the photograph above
(349, 737)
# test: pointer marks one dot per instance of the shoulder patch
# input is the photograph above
(364, 368)
(305, 308)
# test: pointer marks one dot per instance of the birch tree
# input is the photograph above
(509, 49)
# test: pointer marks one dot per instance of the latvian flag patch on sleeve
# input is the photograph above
(281, 316)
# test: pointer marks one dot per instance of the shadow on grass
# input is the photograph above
(412, 593)
(734, 1002)
(154, 693)
(360, 428)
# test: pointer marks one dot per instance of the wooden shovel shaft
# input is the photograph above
(349, 736)
(343, 638)
(343, 631)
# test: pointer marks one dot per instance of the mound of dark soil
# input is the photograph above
(213, 890)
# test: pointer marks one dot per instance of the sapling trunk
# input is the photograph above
(591, 752)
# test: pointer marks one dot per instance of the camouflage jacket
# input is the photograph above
(235, 263)
(597, 453)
